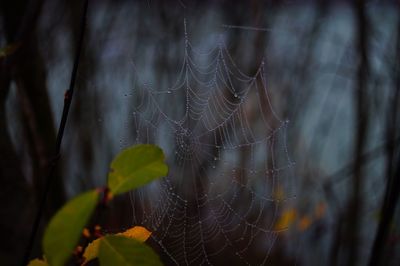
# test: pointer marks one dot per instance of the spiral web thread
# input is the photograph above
(230, 172)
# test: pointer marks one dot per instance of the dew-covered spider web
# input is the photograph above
(230, 173)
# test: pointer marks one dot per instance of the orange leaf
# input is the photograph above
(137, 232)
(86, 232)
(286, 219)
(91, 251)
(320, 210)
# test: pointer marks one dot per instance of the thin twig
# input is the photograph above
(355, 203)
(67, 103)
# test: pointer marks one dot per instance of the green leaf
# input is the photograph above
(65, 228)
(135, 167)
(120, 250)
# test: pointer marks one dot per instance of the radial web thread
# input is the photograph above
(230, 171)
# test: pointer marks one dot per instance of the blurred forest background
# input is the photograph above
(332, 69)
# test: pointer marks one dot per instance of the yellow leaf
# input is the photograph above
(304, 223)
(91, 251)
(38, 262)
(137, 232)
(286, 219)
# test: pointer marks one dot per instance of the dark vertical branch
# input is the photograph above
(40, 134)
(392, 190)
(27, 69)
(361, 111)
(67, 103)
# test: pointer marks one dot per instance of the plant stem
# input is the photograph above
(67, 103)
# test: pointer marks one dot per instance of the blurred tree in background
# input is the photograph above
(331, 68)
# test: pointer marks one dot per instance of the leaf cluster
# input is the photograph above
(132, 168)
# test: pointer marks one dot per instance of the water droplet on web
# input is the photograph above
(222, 146)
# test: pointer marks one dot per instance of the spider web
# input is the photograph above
(230, 172)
